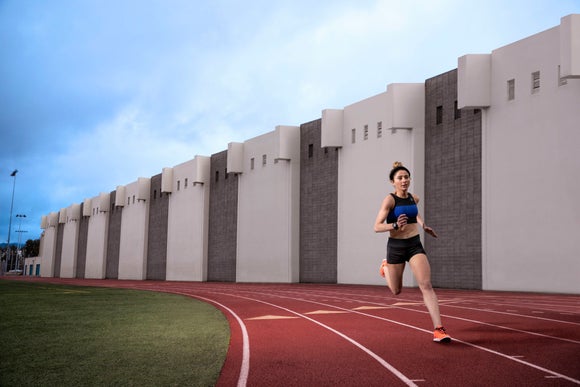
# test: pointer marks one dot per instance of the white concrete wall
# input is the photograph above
(363, 172)
(530, 192)
(29, 263)
(98, 209)
(49, 245)
(188, 219)
(134, 230)
(68, 260)
(268, 208)
(531, 164)
(570, 46)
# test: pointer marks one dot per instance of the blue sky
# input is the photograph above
(96, 93)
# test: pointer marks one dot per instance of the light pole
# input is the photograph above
(9, 254)
(19, 231)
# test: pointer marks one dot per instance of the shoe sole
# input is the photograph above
(443, 340)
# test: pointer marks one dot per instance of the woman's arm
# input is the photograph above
(427, 229)
(421, 222)
(386, 206)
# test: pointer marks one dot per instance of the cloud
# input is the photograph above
(114, 153)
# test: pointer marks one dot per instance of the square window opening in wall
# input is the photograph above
(511, 89)
(535, 82)
(252, 163)
(379, 129)
(310, 150)
(264, 160)
(439, 115)
(561, 81)
(217, 175)
(178, 184)
(225, 173)
(366, 132)
(185, 183)
(353, 136)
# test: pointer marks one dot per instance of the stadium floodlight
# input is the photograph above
(9, 253)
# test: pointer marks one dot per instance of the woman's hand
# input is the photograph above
(429, 231)
(402, 220)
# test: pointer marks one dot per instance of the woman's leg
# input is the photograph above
(394, 277)
(422, 271)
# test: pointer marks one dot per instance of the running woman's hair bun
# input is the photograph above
(397, 166)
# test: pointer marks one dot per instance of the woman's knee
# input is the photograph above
(425, 286)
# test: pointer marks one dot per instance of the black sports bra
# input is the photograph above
(405, 206)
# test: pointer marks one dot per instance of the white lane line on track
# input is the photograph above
(479, 300)
(472, 321)
(531, 305)
(517, 359)
(550, 372)
(325, 312)
(553, 373)
(379, 359)
(507, 328)
(516, 314)
(271, 317)
(245, 367)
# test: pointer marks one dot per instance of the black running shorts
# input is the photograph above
(402, 250)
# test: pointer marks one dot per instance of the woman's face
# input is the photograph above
(401, 180)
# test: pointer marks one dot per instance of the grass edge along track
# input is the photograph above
(88, 336)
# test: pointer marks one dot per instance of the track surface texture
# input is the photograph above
(349, 335)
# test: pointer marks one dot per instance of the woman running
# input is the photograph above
(399, 215)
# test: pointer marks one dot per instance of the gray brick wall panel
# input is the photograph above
(114, 239)
(58, 250)
(452, 187)
(157, 237)
(318, 207)
(223, 219)
(82, 245)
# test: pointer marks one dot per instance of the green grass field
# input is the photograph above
(52, 335)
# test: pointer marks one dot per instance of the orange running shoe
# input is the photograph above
(383, 268)
(440, 336)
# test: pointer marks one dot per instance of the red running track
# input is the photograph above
(328, 335)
